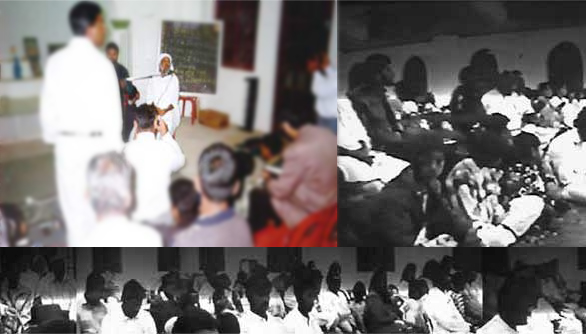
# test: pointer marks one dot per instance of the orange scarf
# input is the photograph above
(316, 230)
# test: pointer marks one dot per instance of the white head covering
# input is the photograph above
(161, 56)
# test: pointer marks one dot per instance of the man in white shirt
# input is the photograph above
(325, 89)
(257, 319)
(303, 319)
(354, 140)
(130, 317)
(80, 113)
(153, 160)
(110, 194)
(516, 298)
(565, 157)
(334, 302)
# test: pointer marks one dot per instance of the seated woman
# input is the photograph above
(378, 317)
(91, 314)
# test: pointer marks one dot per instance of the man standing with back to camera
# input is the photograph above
(80, 114)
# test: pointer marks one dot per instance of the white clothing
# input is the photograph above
(334, 307)
(4, 231)
(251, 323)
(163, 91)
(153, 160)
(496, 325)
(570, 113)
(512, 106)
(325, 90)
(350, 129)
(350, 132)
(121, 232)
(443, 314)
(80, 96)
(116, 322)
(296, 323)
(566, 155)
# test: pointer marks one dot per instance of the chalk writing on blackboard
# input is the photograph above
(195, 51)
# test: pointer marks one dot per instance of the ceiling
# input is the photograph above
(371, 24)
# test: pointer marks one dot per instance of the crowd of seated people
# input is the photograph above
(135, 193)
(254, 301)
(492, 168)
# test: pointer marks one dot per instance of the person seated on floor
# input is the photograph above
(335, 302)
(217, 225)
(184, 207)
(130, 317)
(153, 160)
(356, 158)
(564, 158)
(304, 318)
(166, 306)
(110, 193)
(378, 316)
(304, 194)
(196, 321)
(91, 313)
(516, 298)
(438, 306)
(257, 319)
(224, 309)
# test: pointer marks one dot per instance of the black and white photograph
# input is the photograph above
(240, 290)
(462, 123)
(534, 290)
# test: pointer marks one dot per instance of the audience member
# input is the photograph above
(129, 316)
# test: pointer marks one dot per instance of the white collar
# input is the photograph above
(80, 41)
(146, 135)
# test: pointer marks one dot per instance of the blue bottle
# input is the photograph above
(17, 69)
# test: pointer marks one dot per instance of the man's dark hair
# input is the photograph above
(218, 172)
(524, 143)
(378, 58)
(305, 278)
(132, 295)
(57, 267)
(257, 283)
(409, 272)
(94, 288)
(185, 199)
(517, 295)
(580, 121)
(459, 281)
(359, 292)
(378, 284)
(195, 320)
(366, 73)
(82, 16)
(112, 45)
(145, 116)
(417, 289)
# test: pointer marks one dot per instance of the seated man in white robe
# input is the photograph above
(357, 161)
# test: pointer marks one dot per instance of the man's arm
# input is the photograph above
(49, 105)
(177, 157)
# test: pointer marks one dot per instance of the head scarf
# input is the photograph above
(161, 56)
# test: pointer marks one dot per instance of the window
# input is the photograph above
(564, 67)
(240, 20)
(281, 259)
(212, 259)
(107, 259)
(371, 258)
(168, 259)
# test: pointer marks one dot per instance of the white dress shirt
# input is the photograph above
(350, 129)
(80, 94)
(496, 325)
(153, 160)
(443, 314)
(116, 322)
(163, 91)
(325, 90)
(121, 232)
(296, 323)
(251, 323)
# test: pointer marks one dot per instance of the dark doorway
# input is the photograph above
(305, 29)
(414, 83)
(564, 66)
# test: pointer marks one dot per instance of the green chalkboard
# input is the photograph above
(195, 50)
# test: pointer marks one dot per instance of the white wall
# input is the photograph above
(445, 56)
(141, 264)
(568, 261)
(47, 20)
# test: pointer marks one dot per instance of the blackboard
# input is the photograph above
(195, 50)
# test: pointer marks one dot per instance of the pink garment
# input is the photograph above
(309, 180)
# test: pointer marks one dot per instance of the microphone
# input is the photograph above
(171, 72)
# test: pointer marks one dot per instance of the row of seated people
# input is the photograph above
(439, 184)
